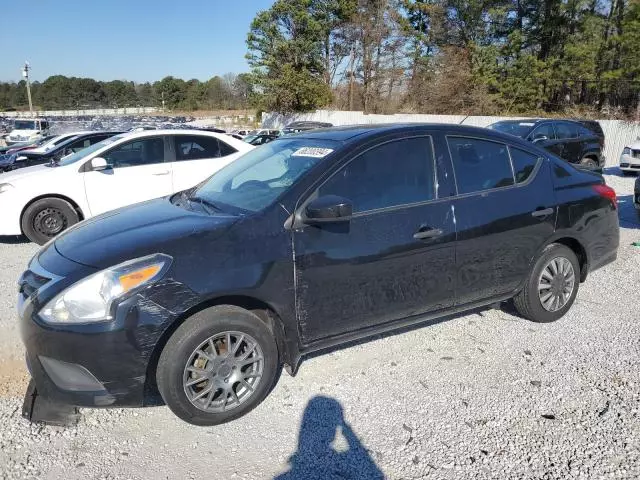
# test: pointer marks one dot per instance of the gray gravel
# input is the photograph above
(487, 395)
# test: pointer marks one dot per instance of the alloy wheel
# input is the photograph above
(223, 372)
(556, 284)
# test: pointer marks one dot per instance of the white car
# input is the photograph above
(25, 131)
(630, 158)
(44, 200)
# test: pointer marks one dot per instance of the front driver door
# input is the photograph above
(138, 172)
(383, 264)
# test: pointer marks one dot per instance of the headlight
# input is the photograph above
(626, 151)
(5, 187)
(90, 299)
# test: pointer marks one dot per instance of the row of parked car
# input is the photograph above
(146, 163)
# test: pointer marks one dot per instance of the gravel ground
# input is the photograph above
(486, 395)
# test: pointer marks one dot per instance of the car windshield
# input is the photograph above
(519, 129)
(258, 178)
(79, 155)
(56, 141)
(24, 125)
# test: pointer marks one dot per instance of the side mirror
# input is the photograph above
(328, 209)
(98, 164)
(540, 139)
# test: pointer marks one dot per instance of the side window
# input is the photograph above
(194, 147)
(98, 138)
(585, 132)
(545, 130)
(523, 163)
(78, 145)
(226, 149)
(566, 130)
(145, 151)
(396, 173)
(480, 164)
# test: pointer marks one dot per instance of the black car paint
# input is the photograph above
(301, 278)
(573, 150)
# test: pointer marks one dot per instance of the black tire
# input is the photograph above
(177, 355)
(46, 218)
(528, 302)
(589, 163)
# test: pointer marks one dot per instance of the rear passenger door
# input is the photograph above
(504, 215)
(197, 157)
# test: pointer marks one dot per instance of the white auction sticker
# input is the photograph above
(315, 152)
(527, 124)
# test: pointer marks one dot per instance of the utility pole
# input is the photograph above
(351, 75)
(25, 74)
(162, 93)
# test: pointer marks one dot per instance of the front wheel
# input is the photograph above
(551, 287)
(217, 366)
(46, 218)
(589, 163)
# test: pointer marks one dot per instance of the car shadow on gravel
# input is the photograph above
(13, 239)
(628, 214)
(328, 446)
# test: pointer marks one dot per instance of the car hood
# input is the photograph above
(24, 173)
(634, 145)
(156, 226)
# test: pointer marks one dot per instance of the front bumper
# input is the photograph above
(629, 163)
(94, 365)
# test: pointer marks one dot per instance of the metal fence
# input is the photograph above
(618, 133)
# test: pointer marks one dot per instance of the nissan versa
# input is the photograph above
(306, 242)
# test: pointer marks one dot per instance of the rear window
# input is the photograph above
(519, 129)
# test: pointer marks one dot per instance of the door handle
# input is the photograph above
(543, 212)
(425, 233)
(163, 172)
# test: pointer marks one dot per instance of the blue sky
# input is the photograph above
(139, 40)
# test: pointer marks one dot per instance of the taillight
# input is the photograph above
(607, 192)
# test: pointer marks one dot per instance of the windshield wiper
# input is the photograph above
(209, 206)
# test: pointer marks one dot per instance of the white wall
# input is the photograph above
(617, 133)
(75, 113)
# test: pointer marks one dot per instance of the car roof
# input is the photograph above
(351, 133)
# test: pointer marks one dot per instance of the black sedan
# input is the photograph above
(309, 241)
(73, 144)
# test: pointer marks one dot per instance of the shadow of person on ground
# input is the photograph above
(320, 452)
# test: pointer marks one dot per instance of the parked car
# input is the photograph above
(307, 242)
(261, 139)
(27, 131)
(241, 132)
(630, 159)
(71, 144)
(44, 200)
(570, 140)
(303, 126)
(24, 146)
(264, 131)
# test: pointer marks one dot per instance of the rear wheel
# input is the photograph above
(217, 366)
(46, 218)
(551, 287)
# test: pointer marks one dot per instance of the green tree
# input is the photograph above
(287, 44)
